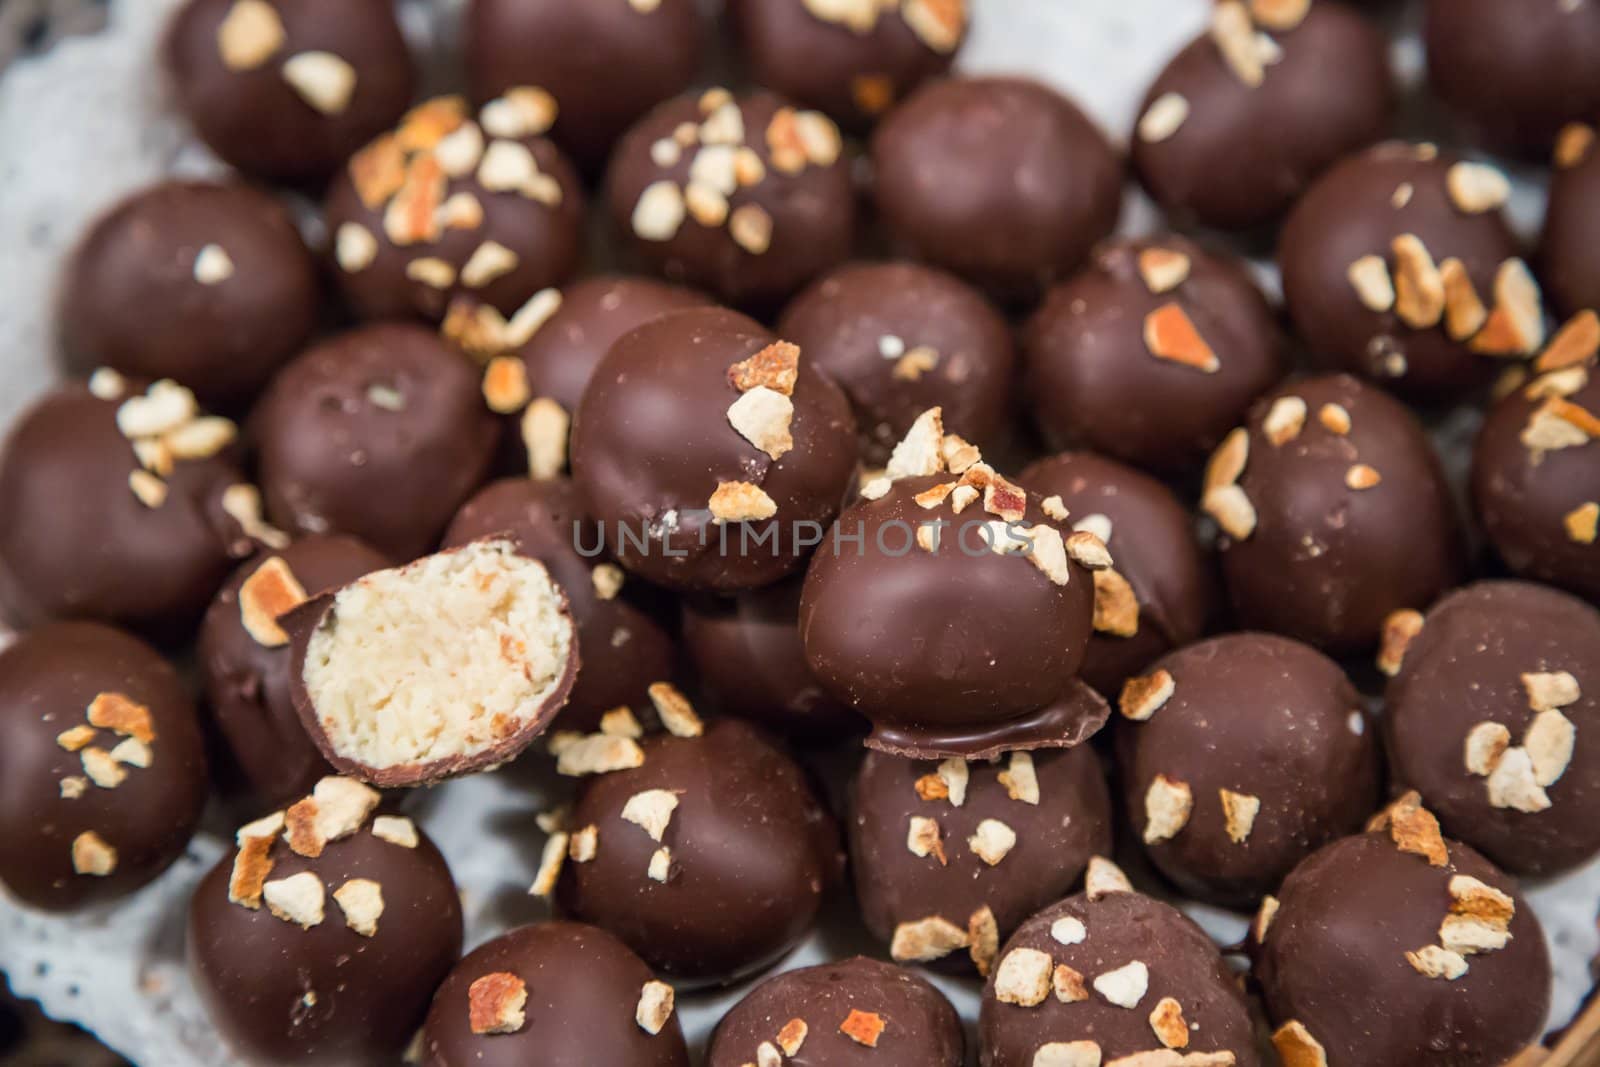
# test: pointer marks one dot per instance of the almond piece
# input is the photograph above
(251, 866)
(1020, 779)
(1068, 984)
(751, 228)
(271, 591)
(674, 710)
(1284, 420)
(923, 839)
(525, 111)
(655, 1006)
(1116, 607)
(1413, 829)
(1240, 811)
(397, 830)
(495, 1004)
(118, 713)
(1418, 287)
(321, 79)
(1572, 144)
(1143, 696)
(1280, 15)
(1575, 344)
(651, 810)
(1023, 977)
(792, 1035)
(939, 24)
(983, 933)
(1104, 878)
(1068, 930)
(92, 856)
(1169, 334)
(763, 416)
(1297, 1048)
(863, 1027)
(1476, 188)
(992, 841)
(1369, 277)
(1548, 690)
(361, 900)
(926, 939)
(1067, 1054)
(1168, 1023)
(1400, 628)
(1582, 523)
(1515, 326)
(740, 502)
(1361, 476)
(1125, 986)
(775, 367)
(1164, 117)
(1549, 741)
(1485, 744)
(298, 899)
(1464, 313)
(545, 426)
(249, 34)
(1334, 418)
(1167, 805)
(1235, 37)
(660, 212)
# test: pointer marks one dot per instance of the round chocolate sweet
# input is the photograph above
(949, 858)
(900, 338)
(452, 204)
(1334, 513)
(1240, 756)
(1398, 265)
(1159, 593)
(604, 63)
(321, 937)
(206, 283)
(1480, 719)
(1151, 353)
(624, 648)
(1378, 954)
(711, 453)
(287, 89)
(710, 857)
(102, 766)
(852, 60)
(744, 196)
(556, 993)
(380, 432)
(244, 662)
(1570, 265)
(1229, 138)
(850, 1013)
(1001, 180)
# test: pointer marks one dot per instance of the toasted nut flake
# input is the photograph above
(1125, 986)
(1054, 507)
(1402, 195)
(322, 79)
(1486, 743)
(655, 1006)
(1400, 628)
(459, 153)
(607, 579)
(1164, 117)
(674, 710)
(1097, 524)
(242, 504)
(1023, 977)
(1470, 896)
(269, 592)
(342, 806)
(1361, 476)
(544, 436)
(495, 1003)
(1284, 420)
(767, 1055)
(1582, 522)
(1143, 696)
(397, 830)
(1264, 916)
(525, 111)
(776, 367)
(301, 830)
(1068, 984)
(926, 939)
(992, 841)
(620, 722)
(938, 24)
(432, 272)
(505, 385)
(793, 1035)
(963, 497)
(1116, 607)
(489, 261)
(659, 213)
(412, 217)
(1235, 37)
(101, 769)
(1515, 326)
(425, 125)
(598, 754)
(920, 450)
(863, 1027)
(1280, 14)
(133, 752)
(1369, 277)
(714, 168)
(297, 899)
(1573, 144)
(584, 844)
(915, 363)
(1549, 740)
(268, 826)
(201, 438)
(751, 228)
(1227, 463)
(1558, 424)
(122, 715)
(959, 454)
(1468, 935)
(1551, 689)
(1005, 499)
(1476, 188)
(1418, 287)
(107, 384)
(1049, 553)
(1240, 811)
(361, 900)
(249, 34)
(933, 497)
(1413, 829)
(1020, 779)
(1067, 1054)
(723, 125)
(73, 786)
(1464, 313)
(706, 205)
(1297, 1048)
(551, 860)
(251, 866)
(762, 416)
(1575, 344)
(747, 167)
(1103, 878)
(1086, 549)
(660, 868)
(983, 936)
(74, 739)
(1232, 510)
(378, 171)
(1560, 383)
(1168, 1023)
(1162, 269)
(1514, 785)
(1167, 805)
(92, 856)
(212, 265)
(1169, 334)
(150, 490)
(354, 247)
(651, 810)
(923, 839)
(740, 502)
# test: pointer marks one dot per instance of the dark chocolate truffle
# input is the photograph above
(244, 662)
(381, 432)
(708, 855)
(605, 63)
(1395, 948)
(1482, 719)
(1569, 255)
(625, 649)
(1151, 353)
(1240, 756)
(1159, 594)
(855, 59)
(558, 994)
(744, 196)
(899, 339)
(711, 453)
(287, 89)
(1398, 265)
(452, 204)
(950, 858)
(1002, 180)
(853, 1013)
(326, 946)
(1242, 120)
(206, 283)
(1334, 513)
(1109, 974)
(102, 766)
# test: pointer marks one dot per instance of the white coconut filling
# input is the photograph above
(439, 659)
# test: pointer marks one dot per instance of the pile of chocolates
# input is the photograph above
(932, 587)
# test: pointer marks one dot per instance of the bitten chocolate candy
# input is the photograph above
(321, 937)
(1569, 254)
(287, 89)
(853, 1013)
(102, 766)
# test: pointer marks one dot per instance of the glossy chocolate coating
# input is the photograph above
(1001, 180)
(1334, 960)
(48, 678)
(1326, 563)
(921, 1029)
(812, 212)
(1569, 253)
(1055, 838)
(1094, 382)
(1243, 154)
(255, 119)
(1349, 213)
(623, 646)
(381, 433)
(130, 299)
(1466, 667)
(606, 63)
(1119, 929)
(860, 322)
(752, 851)
(652, 441)
(583, 988)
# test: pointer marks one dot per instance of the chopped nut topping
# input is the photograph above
(1419, 290)
(1558, 424)
(1264, 916)
(1476, 188)
(73, 786)
(1486, 743)
(1068, 930)
(919, 452)
(150, 490)
(1049, 553)
(651, 810)
(1240, 811)
(1086, 549)
(122, 715)
(551, 860)
(1068, 984)
(1400, 628)
(1514, 784)
(923, 840)
(1055, 508)
(1169, 334)
(1573, 144)
(767, 1055)
(675, 711)
(1020, 780)
(212, 265)
(792, 1036)
(933, 497)
(269, 592)
(268, 826)
(432, 272)
(495, 1003)
(1164, 117)
(107, 384)
(505, 385)
(938, 24)
(992, 841)
(101, 769)
(863, 1027)
(1413, 829)
(1369, 277)
(655, 1006)
(776, 367)
(1116, 607)
(1582, 522)
(242, 504)
(706, 205)
(425, 125)
(620, 722)
(1297, 1048)
(660, 869)
(1235, 38)
(1549, 690)
(133, 752)
(983, 933)
(1143, 696)
(1103, 878)
(526, 111)
(397, 830)
(1284, 420)
(1361, 476)
(322, 79)
(751, 228)
(1471, 897)
(74, 739)
(762, 416)
(915, 363)
(249, 34)
(740, 502)
(1024, 977)
(490, 260)
(251, 866)
(1575, 344)
(297, 899)
(1005, 499)
(1464, 313)
(585, 843)
(361, 900)
(545, 425)
(459, 152)
(301, 829)
(607, 580)
(660, 212)
(1280, 14)
(926, 939)
(1515, 326)
(92, 856)
(1168, 1023)
(1549, 741)
(1067, 1054)
(1125, 986)
(354, 247)
(1232, 510)
(1167, 805)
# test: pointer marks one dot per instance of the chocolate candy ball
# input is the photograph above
(287, 89)
(1240, 756)
(321, 938)
(711, 453)
(746, 197)
(1570, 265)
(1151, 353)
(899, 339)
(456, 204)
(605, 64)
(949, 858)
(556, 993)
(381, 433)
(206, 283)
(1001, 180)
(1229, 138)
(1398, 265)
(102, 766)
(1334, 513)
(711, 856)
(853, 1013)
